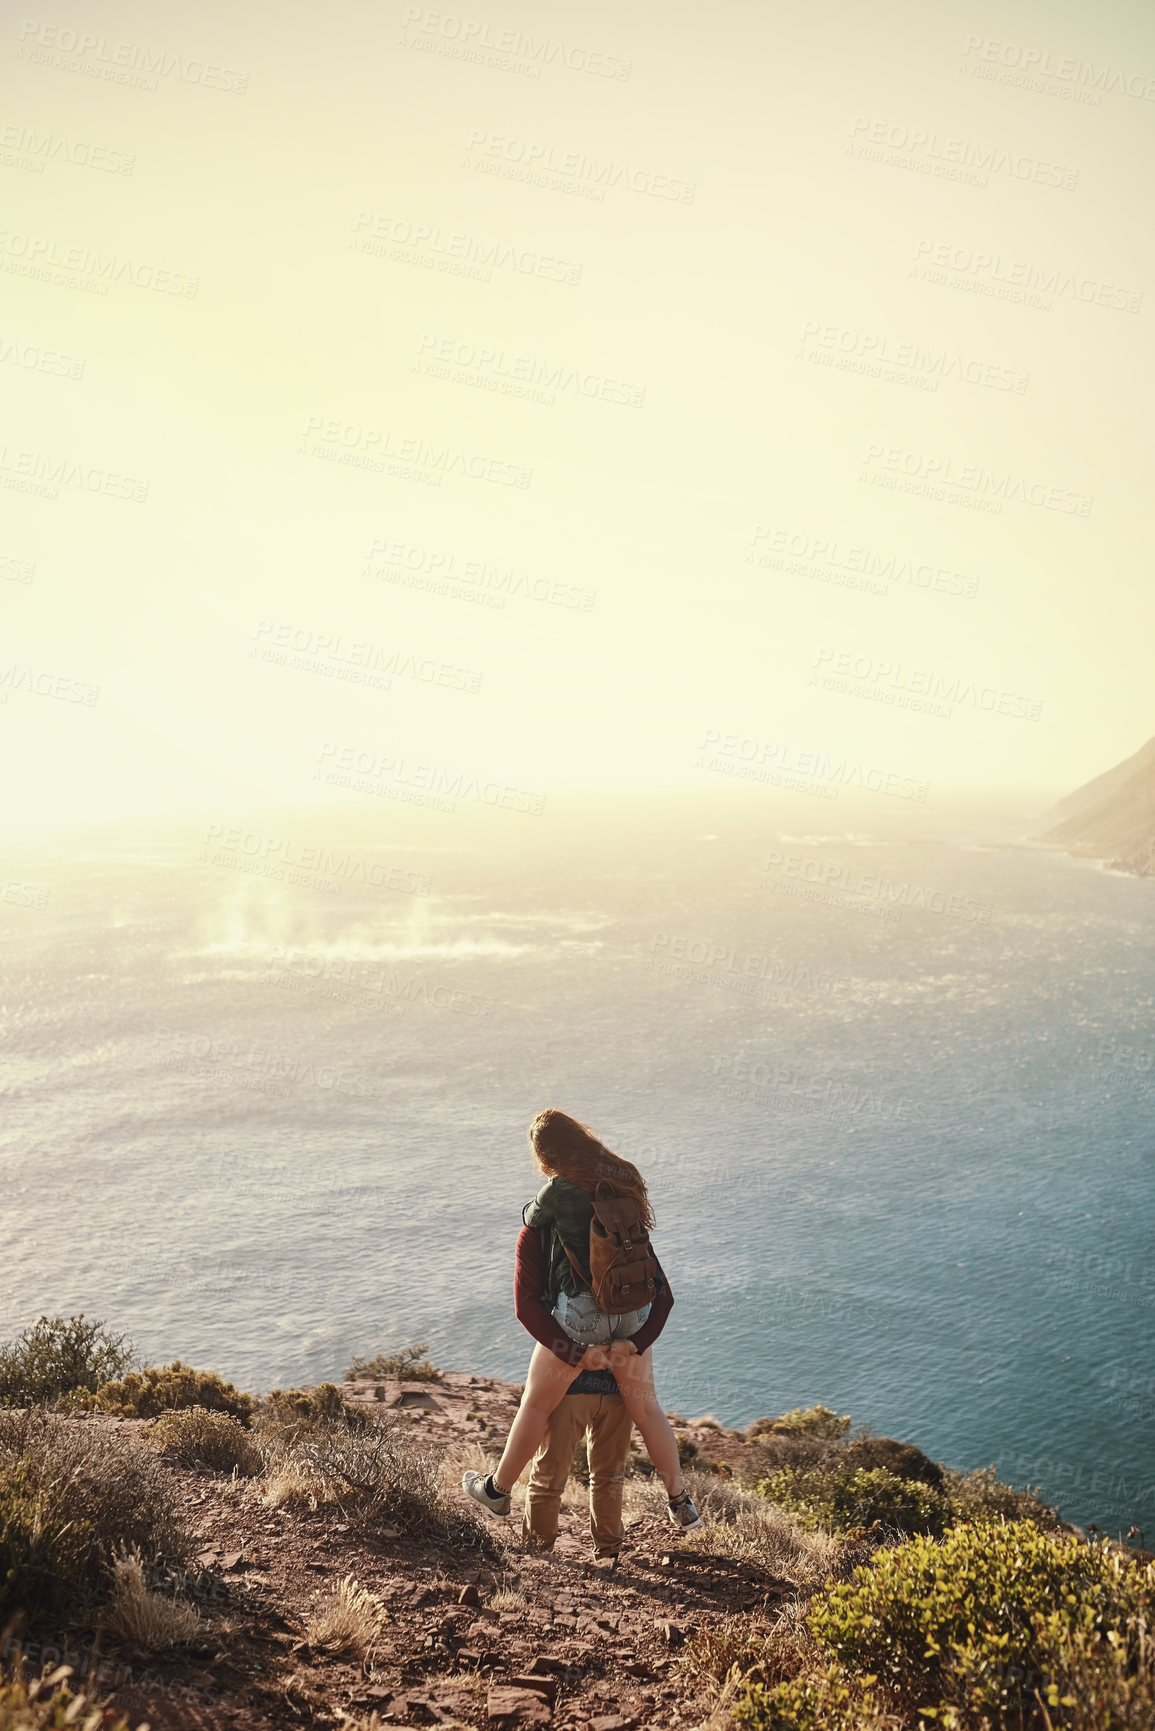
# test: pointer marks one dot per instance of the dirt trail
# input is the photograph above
(584, 1646)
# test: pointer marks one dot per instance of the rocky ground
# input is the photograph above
(528, 1640)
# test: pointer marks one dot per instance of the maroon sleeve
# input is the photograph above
(530, 1273)
(656, 1321)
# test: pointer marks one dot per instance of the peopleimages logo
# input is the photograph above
(496, 151)
(992, 271)
(480, 40)
(781, 764)
(991, 484)
(102, 57)
(929, 151)
(1068, 68)
(890, 682)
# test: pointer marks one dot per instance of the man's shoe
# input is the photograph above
(683, 1513)
(473, 1484)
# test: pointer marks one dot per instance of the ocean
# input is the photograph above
(267, 1081)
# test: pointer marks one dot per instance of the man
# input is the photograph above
(592, 1408)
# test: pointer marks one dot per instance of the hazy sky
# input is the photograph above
(544, 392)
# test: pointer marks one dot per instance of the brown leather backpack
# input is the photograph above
(622, 1265)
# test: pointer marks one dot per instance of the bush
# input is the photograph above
(815, 1421)
(376, 1474)
(953, 1618)
(979, 1496)
(198, 1438)
(903, 1459)
(70, 1498)
(843, 1498)
(288, 1413)
(55, 1359)
(823, 1701)
(411, 1364)
(981, 1630)
(148, 1393)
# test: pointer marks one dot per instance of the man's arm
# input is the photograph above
(530, 1271)
(656, 1321)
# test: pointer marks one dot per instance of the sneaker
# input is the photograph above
(473, 1484)
(683, 1513)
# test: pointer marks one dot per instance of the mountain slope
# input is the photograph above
(1112, 817)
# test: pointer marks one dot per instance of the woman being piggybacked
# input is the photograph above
(572, 1333)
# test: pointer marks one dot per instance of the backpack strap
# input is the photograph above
(579, 1272)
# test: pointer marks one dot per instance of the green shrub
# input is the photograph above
(903, 1459)
(980, 1496)
(71, 1496)
(198, 1438)
(288, 1413)
(816, 1421)
(410, 1364)
(982, 1619)
(55, 1359)
(841, 1498)
(150, 1392)
(823, 1701)
(996, 1626)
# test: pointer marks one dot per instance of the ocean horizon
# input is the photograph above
(267, 1082)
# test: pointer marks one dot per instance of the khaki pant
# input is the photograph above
(604, 1420)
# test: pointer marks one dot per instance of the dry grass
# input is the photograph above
(744, 1526)
(508, 1599)
(379, 1475)
(719, 1659)
(471, 1457)
(71, 1496)
(284, 1483)
(349, 1623)
(644, 1498)
(150, 1619)
(47, 1703)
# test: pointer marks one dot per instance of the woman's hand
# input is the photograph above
(594, 1358)
(620, 1352)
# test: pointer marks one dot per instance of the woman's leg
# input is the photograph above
(548, 1379)
(635, 1378)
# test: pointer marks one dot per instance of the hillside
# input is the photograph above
(325, 1570)
(1112, 817)
(472, 1637)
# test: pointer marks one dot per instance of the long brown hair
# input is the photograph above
(564, 1147)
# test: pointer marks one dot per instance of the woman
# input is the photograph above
(579, 1336)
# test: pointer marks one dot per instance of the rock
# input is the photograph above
(547, 1686)
(516, 1707)
(233, 1560)
(610, 1722)
(546, 1664)
(469, 1595)
(673, 1634)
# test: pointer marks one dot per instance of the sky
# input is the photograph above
(577, 398)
